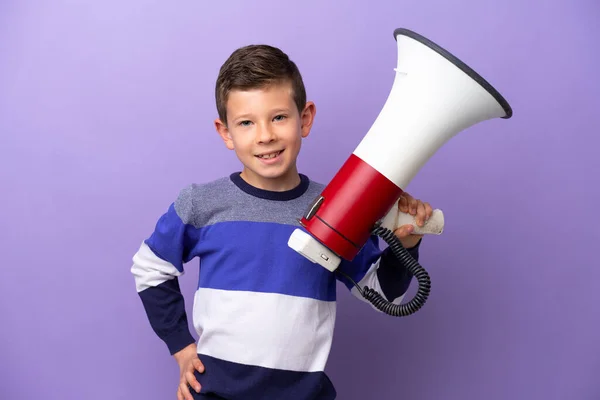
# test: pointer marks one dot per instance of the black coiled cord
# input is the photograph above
(377, 300)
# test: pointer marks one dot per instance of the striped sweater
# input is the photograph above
(264, 315)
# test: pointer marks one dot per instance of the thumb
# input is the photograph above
(404, 231)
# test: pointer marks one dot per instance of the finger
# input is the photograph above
(198, 365)
(421, 214)
(403, 204)
(179, 395)
(428, 211)
(413, 206)
(191, 379)
(407, 195)
(185, 391)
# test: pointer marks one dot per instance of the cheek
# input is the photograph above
(241, 141)
(292, 135)
(296, 140)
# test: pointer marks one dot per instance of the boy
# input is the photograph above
(264, 314)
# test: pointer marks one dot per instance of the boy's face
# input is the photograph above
(265, 129)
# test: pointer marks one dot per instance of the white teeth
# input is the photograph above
(268, 156)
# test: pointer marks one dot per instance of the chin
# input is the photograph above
(272, 173)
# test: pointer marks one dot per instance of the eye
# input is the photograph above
(279, 118)
(244, 123)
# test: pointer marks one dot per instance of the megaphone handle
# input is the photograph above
(433, 226)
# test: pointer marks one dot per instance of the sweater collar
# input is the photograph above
(286, 195)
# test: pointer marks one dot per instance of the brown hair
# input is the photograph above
(257, 66)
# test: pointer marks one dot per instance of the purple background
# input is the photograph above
(106, 111)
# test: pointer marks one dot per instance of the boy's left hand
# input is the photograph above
(422, 211)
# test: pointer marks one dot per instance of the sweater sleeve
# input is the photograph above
(157, 265)
(379, 270)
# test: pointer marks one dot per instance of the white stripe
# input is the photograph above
(150, 270)
(371, 280)
(264, 329)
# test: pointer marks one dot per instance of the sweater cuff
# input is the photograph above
(394, 278)
(178, 340)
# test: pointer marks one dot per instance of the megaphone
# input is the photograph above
(434, 96)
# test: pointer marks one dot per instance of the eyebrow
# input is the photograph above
(279, 110)
(241, 116)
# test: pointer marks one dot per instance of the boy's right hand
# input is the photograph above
(188, 361)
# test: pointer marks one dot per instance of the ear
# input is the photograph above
(223, 131)
(307, 118)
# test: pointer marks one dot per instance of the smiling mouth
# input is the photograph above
(268, 156)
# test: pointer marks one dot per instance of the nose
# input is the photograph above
(264, 134)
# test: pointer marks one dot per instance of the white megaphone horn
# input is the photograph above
(434, 96)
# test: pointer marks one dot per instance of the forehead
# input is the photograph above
(260, 100)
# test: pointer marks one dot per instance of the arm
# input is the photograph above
(156, 267)
(380, 270)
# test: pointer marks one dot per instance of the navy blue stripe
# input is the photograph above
(230, 380)
(241, 255)
(164, 306)
(393, 276)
